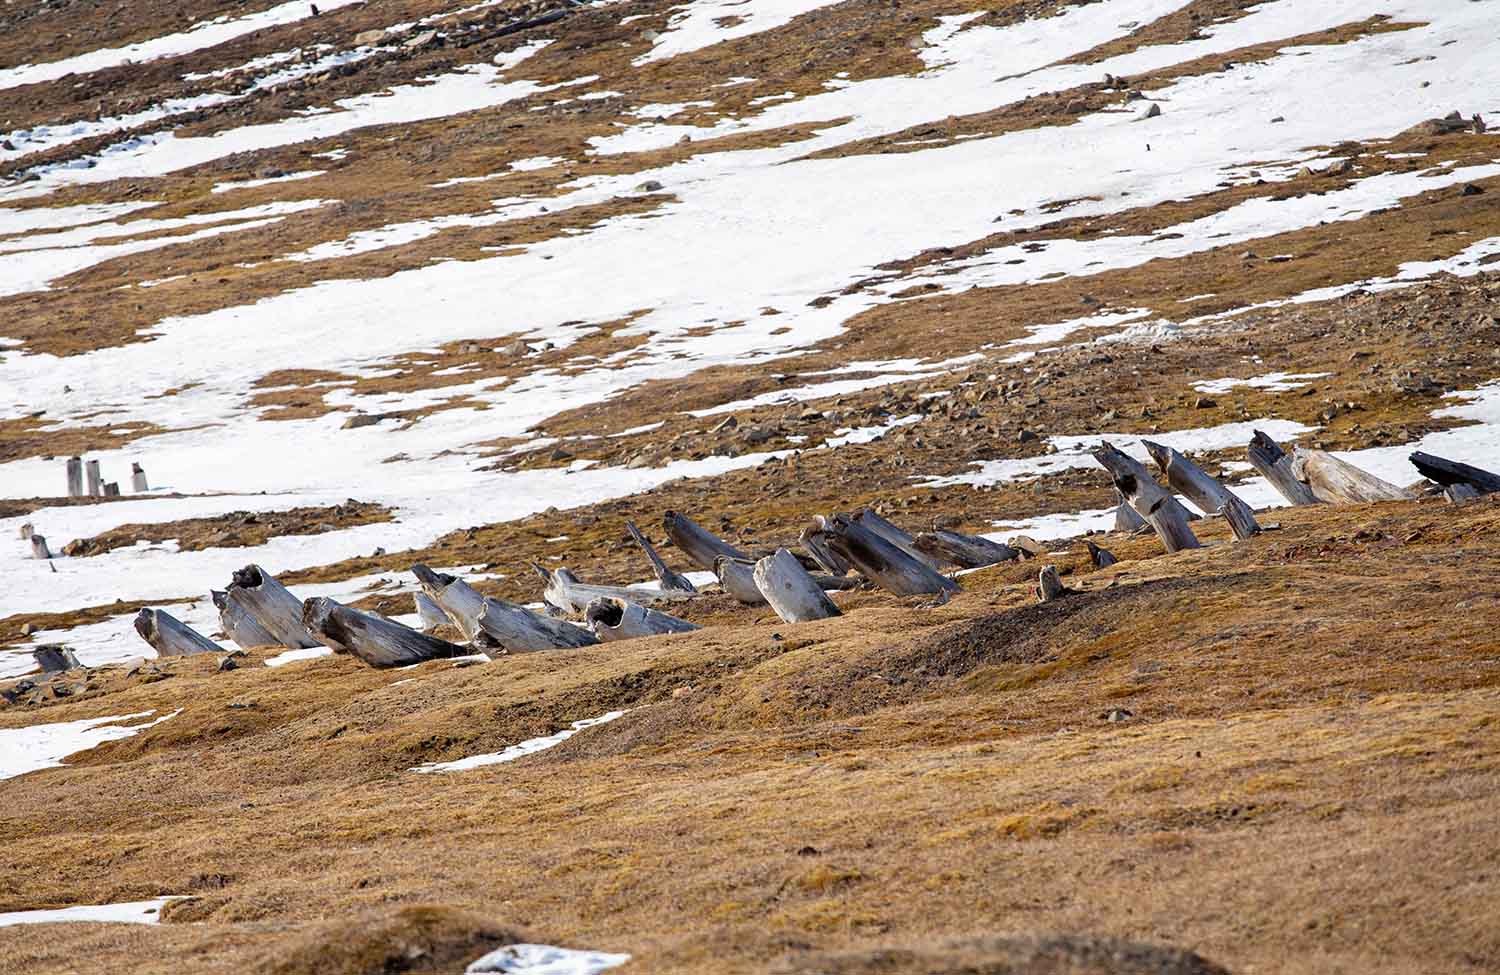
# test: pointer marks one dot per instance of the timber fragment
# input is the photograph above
(696, 542)
(612, 618)
(1101, 557)
(39, 549)
(1451, 474)
(882, 562)
(964, 551)
(1275, 465)
(238, 623)
(491, 624)
(571, 595)
(1049, 586)
(75, 477)
(137, 479)
(55, 658)
(737, 577)
(670, 581)
(792, 592)
(377, 641)
(1204, 490)
(815, 543)
(1340, 482)
(272, 606)
(171, 637)
(875, 523)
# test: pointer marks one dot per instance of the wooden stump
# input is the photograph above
(26, 530)
(1049, 586)
(137, 479)
(1101, 557)
(1275, 465)
(1199, 487)
(271, 605)
(170, 637)
(39, 549)
(491, 624)
(670, 581)
(737, 577)
(815, 543)
(881, 562)
(1451, 473)
(964, 551)
(698, 544)
(792, 592)
(238, 624)
(54, 658)
(111, 489)
(377, 641)
(868, 518)
(75, 477)
(565, 591)
(1155, 506)
(1340, 482)
(96, 483)
(1118, 462)
(614, 619)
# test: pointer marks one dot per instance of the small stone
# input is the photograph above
(1279, 118)
(759, 435)
(517, 349)
(560, 454)
(1204, 403)
(369, 37)
(1026, 436)
(1471, 190)
(650, 186)
(729, 423)
(421, 40)
(227, 664)
(360, 420)
(1152, 112)
(27, 629)
(1116, 715)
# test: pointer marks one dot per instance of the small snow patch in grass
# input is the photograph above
(545, 960)
(130, 912)
(510, 754)
(245, 184)
(1274, 382)
(42, 746)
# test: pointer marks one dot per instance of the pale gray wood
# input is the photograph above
(55, 658)
(1155, 506)
(111, 489)
(1126, 520)
(75, 477)
(1204, 490)
(96, 483)
(238, 624)
(670, 581)
(378, 641)
(1340, 482)
(1101, 557)
(272, 606)
(39, 549)
(431, 613)
(1451, 473)
(964, 551)
(737, 577)
(170, 637)
(1275, 465)
(137, 479)
(614, 619)
(815, 543)
(570, 594)
(1116, 461)
(26, 530)
(1461, 492)
(792, 592)
(1049, 586)
(697, 543)
(870, 519)
(491, 624)
(883, 563)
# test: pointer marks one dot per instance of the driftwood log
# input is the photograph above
(1204, 490)
(494, 624)
(431, 613)
(374, 639)
(697, 543)
(1117, 462)
(55, 658)
(1155, 506)
(39, 549)
(96, 482)
(1275, 465)
(75, 477)
(1049, 586)
(670, 581)
(614, 619)
(1340, 482)
(238, 624)
(571, 595)
(964, 551)
(1452, 474)
(881, 562)
(137, 479)
(171, 637)
(737, 577)
(905, 542)
(1126, 520)
(792, 592)
(815, 543)
(1101, 557)
(26, 530)
(273, 606)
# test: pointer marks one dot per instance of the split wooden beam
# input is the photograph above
(883, 563)
(791, 590)
(1204, 490)
(271, 605)
(170, 637)
(1340, 482)
(378, 641)
(612, 618)
(1275, 465)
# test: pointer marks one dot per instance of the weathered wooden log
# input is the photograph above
(111, 489)
(1116, 461)
(1461, 492)
(614, 619)
(372, 638)
(965, 551)
(170, 637)
(75, 477)
(491, 624)
(96, 482)
(26, 530)
(670, 581)
(55, 658)
(431, 613)
(1275, 465)
(1101, 557)
(271, 605)
(1049, 586)
(39, 549)
(1204, 490)
(138, 479)
(896, 536)
(1151, 503)
(737, 577)
(238, 624)
(1450, 473)
(571, 595)
(1340, 482)
(1126, 520)
(880, 561)
(792, 592)
(697, 543)
(815, 543)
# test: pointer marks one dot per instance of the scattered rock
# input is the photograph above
(1204, 403)
(228, 664)
(361, 420)
(1279, 118)
(1152, 112)
(421, 40)
(369, 38)
(650, 186)
(1116, 715)
(1471, 190)
(517, 349)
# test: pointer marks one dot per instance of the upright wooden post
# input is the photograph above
(138, 479)
(39, 548)
(96, 483)
(112, 489)
(75, 477)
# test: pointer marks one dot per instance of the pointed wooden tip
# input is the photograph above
(1160, 453)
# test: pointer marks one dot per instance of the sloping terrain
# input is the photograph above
(382, 283)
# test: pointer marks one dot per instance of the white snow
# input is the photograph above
(694, 26)
(527, 747)
(44, 746)
(245, 184)
(1272, 382)
(130, 912)
(530, 959)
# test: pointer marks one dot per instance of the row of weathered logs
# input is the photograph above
(97, 486)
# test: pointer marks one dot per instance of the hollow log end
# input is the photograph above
(604, 611)
(1125, 484)
(145, 624)
(428, 577)
(219, 597)
(315, 612)
(249, 577)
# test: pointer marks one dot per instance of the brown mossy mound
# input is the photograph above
(411, 939)
(1052, 955)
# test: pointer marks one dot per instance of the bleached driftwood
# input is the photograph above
(571, 595)
(964, 551)
(697, 543)
(1275, 465)
(431, 613)
(737, 577)
(880, 561)
(1340, 482)
(1101, 557)
(137, 479)
(494, 624)
(39, 549)
(792, 592)
(1126, 520)
(96, 482)
(1204, 490)
(75, 477)
(1461, 492)
(1155, 506)
(55, 658)
(815, 543)
(111, 489)
(1049, 586)
(372, 638)
(1451, 474)
(171, 637)
(1116, 461)
(238, 624)
(670, 581)
(26, 530)
(271, 605)
(612, 618)
(896, 536)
